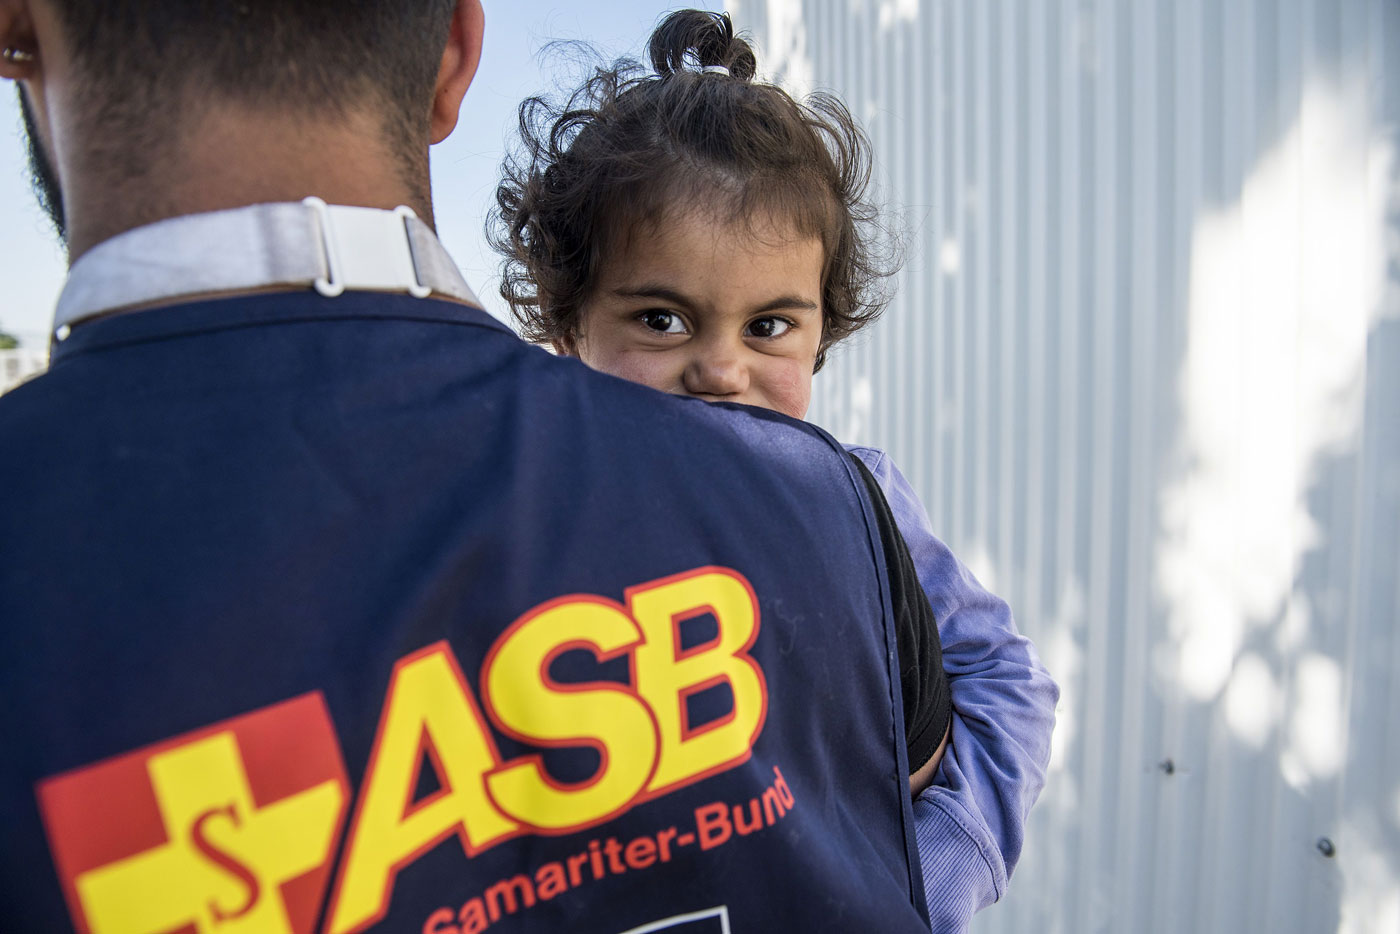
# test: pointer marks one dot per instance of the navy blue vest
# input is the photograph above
(360, 614)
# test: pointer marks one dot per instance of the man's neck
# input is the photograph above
(231, 159)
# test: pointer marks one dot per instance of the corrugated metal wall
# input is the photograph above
(1144, 368)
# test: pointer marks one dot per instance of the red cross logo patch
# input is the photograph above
(230, 828)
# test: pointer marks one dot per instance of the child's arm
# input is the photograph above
(970, 823)
(922, 777)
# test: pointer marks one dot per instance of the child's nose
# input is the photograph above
(716, 374)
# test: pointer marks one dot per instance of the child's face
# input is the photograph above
(722, 312)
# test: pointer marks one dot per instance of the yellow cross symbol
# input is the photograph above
(226, 858)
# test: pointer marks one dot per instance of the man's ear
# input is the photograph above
(566, 346)
(19, 42)
(459, 61)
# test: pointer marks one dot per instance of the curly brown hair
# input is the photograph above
(628, 146)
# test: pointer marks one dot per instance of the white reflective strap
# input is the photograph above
(416, 288)
(366, 249)
(331, 248)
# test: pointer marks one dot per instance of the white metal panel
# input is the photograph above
(1144, 367)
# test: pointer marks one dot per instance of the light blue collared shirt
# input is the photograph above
(300, 244)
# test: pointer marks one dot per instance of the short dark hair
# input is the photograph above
(305, 55)
(628, 146)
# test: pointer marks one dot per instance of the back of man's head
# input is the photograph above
(153, 97)
(141, 58)
(314, 56)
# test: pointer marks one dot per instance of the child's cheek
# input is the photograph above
(655, 370)
(791, 389)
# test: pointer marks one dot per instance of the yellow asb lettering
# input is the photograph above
(527, 704)
(645, 742)
(428, 707)
(665, 675)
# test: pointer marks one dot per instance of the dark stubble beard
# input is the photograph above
(41, 175)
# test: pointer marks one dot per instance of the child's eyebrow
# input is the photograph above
(654, 291)
(787, 303)
(781, 303)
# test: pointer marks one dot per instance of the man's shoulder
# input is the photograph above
(28, 409)
(445, 362)
(659, 418)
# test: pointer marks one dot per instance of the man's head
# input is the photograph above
(41, 173)
(117, 89)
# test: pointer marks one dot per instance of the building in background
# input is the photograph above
(18, 364)
(1144, 368)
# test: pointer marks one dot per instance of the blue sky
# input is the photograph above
(464, 167)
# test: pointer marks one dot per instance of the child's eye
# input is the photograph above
(663, 322)
(768, 327)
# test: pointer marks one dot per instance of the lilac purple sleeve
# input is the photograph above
(969, 824)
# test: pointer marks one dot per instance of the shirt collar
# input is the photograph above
(308, 244)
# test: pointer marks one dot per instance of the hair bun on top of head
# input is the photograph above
(700, 41)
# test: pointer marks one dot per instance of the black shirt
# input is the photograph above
(928, 708)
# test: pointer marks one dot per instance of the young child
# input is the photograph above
(704, 234)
